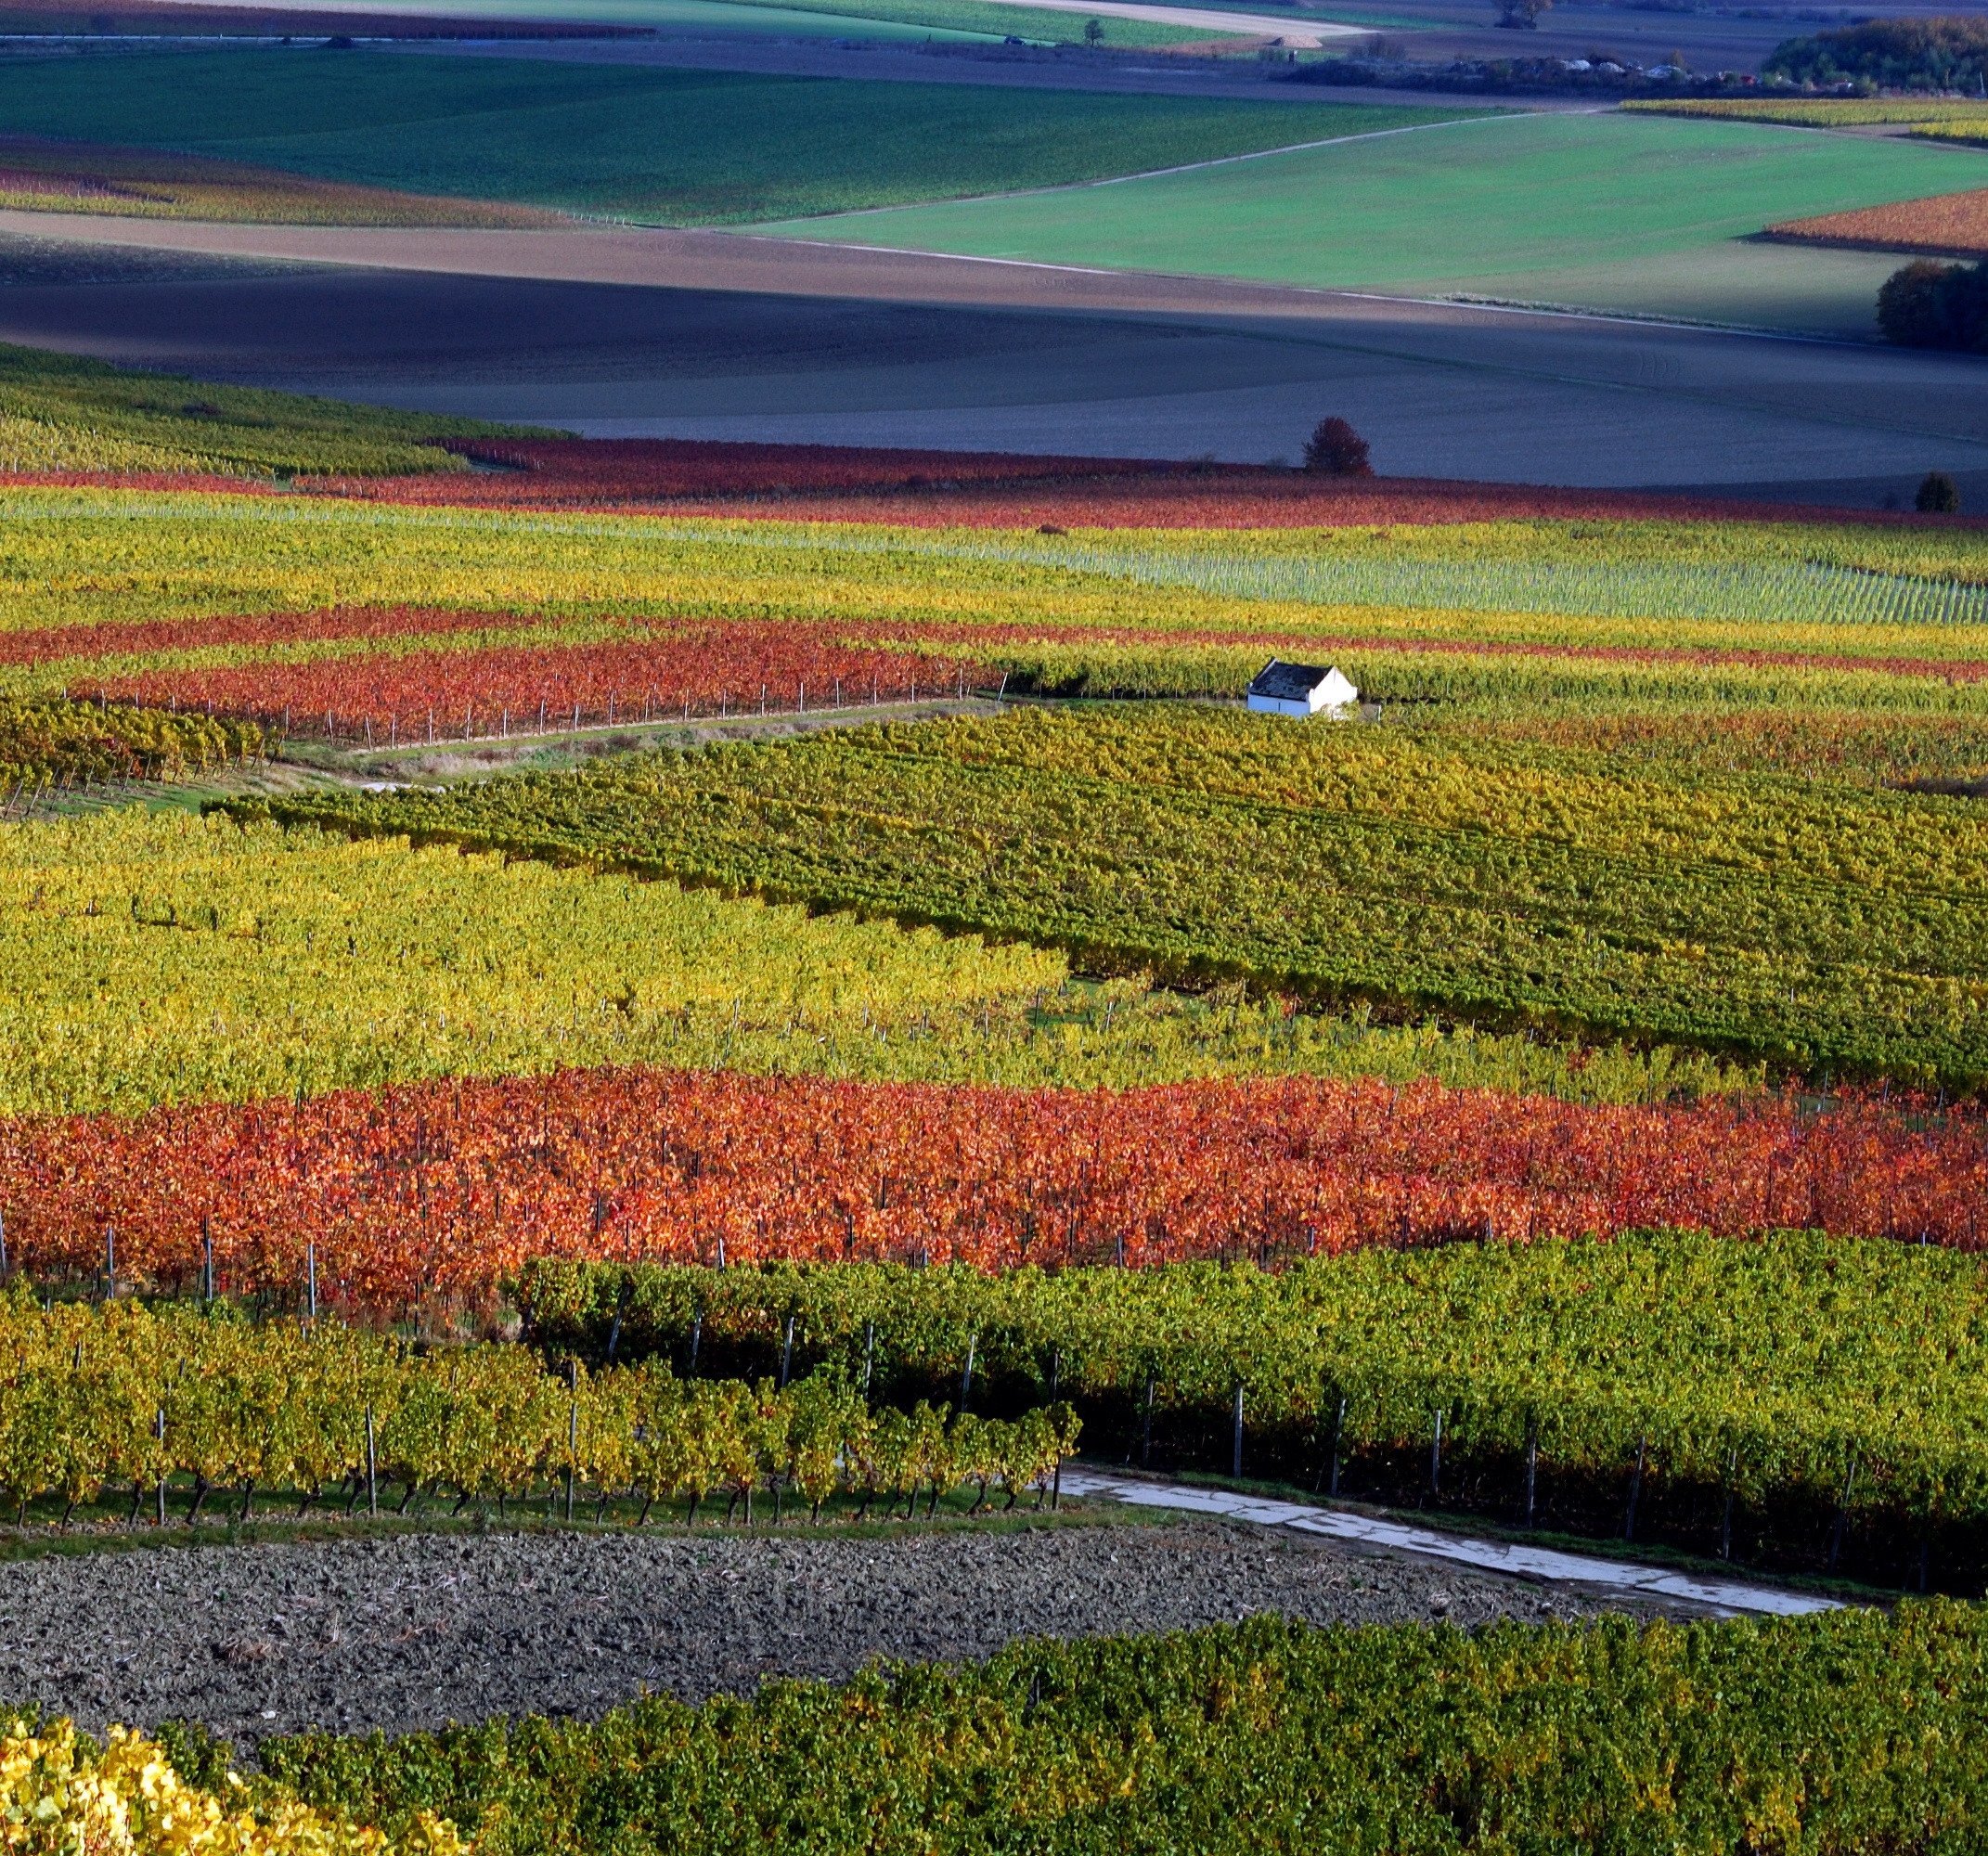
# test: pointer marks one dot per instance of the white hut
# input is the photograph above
(1281, 689)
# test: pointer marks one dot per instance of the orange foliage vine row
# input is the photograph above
(449, 1186)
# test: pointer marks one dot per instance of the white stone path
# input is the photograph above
(1532, 1563)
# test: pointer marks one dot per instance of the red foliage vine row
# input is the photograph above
(450, 1186)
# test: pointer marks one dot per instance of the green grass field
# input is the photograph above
(884, 20)
(1637, 212)
(663, 146)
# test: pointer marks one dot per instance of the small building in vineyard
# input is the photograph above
(1281, 689)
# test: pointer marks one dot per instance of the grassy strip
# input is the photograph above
(1849, 1731)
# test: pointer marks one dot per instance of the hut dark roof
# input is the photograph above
(1282, 682)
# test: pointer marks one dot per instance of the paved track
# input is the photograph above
(627, 331)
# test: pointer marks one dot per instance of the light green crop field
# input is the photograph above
(1637, 212)
(664, 146)
(883, 21)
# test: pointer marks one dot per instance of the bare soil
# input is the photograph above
(416, 1631)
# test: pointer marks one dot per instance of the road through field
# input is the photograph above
(624, 331)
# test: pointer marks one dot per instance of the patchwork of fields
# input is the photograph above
(552, 986)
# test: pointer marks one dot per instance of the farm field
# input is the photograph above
(1955, 224)
(70, 177)
(1455, 211)
(1495, 883)
(653, 146)
(881, 21)
(615, 1057)
(60, 414)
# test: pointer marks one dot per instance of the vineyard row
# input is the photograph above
(1795, 1398)
(449, 1188)
(324, 1413)
(1852, 1730)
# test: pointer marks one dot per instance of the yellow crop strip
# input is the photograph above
(79, 559)
(160, 958)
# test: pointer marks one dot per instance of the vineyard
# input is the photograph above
(37, 175)
(157, 1402)
(579, 1079)
(1796, 1397)
(445, 1190)
(64, 413)
(383, 628)
(1839, 1421)
(1489, 882)
(1946, 224)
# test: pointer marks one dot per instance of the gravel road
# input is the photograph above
(418, 1630)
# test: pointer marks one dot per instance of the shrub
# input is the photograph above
(1909, 303)
(1926, 304)
(1937, 496)
(1334, 449)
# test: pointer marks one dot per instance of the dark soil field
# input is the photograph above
(420, 1629)
(706, 335)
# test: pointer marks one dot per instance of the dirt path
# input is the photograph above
(416, 1631)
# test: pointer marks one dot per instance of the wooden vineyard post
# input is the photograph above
(3, 1246)
(310, 1256)
(109, 1263)
(621, 1310)
(1533, 1464)
(697, 1335)
(372, 1468)
(1436, 1459)
(869, 1356)
(1145, 1429)
(1635, 1488)
(159, 1433)
(1056, 1380)
(1329, 1475)
(1235, 1466)
(573, 1438)
(1732, 1481)
(207, 1259)
(786, 1354)
(966, 1378)
(1842, 1513)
